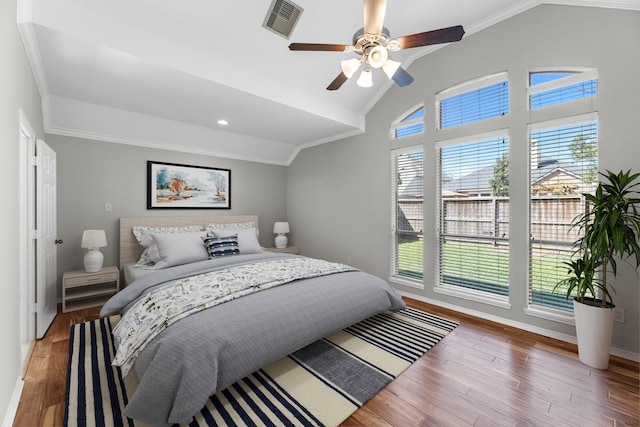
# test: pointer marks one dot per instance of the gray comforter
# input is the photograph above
(211, 349)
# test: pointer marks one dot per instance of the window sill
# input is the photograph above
(471, 295)
(406, 282)
(551, 314)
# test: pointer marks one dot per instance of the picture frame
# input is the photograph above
(178, 186)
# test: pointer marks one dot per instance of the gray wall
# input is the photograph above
(18, 90)
(338, 194)
(92, 173)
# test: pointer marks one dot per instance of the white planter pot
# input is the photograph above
(594, 328)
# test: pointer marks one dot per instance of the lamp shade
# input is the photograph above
(390, 67)
(281, 227)
(366, 78)
(93, 239)
(350, 66)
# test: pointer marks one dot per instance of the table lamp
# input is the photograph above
(93, 240)
(281, 228)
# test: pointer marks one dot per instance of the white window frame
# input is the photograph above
(549, 313)
(393, 277)
(581, 75)
(401, 123)
(457, 291)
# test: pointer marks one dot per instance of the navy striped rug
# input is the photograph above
(321, 384)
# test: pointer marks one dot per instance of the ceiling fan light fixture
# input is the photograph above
(378, 56)
(390, 67)
(366, 78)
(350, 66)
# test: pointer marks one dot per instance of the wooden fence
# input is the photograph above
(551, 217)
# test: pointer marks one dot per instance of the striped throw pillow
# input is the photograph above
(221, 246)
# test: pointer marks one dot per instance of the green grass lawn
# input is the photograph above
(468, 263)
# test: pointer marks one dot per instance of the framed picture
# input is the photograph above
(171, 185)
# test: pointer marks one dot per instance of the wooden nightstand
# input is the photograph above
(83, 290)
(288, 250)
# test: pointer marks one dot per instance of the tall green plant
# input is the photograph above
(582, 278)
(610, 229)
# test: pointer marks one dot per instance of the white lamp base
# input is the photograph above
(281, 241)
(93, 260)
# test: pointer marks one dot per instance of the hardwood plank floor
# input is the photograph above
(481, 374)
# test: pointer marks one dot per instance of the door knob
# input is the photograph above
(58, 241)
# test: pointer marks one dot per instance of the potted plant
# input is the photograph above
(610, 231)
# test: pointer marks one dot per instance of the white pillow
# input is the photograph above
(177, 249)
(235, 226)
(141, 230)
(247, 239)
(151, 250)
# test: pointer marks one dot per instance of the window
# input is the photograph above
(563, 164)
(411, 124)
(473, 230)
(407, 183)
(550, 88)
(473, 101)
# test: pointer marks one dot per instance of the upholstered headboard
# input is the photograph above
(130, 249)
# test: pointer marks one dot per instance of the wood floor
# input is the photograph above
(482, 374)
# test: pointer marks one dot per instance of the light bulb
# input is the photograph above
(377, 56)
(366, 78)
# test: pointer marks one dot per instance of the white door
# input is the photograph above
(46, 254)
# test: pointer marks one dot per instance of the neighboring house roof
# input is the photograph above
(411, 184)
(479, 180)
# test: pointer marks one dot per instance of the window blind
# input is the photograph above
(407, 190)
(413, 124)
(551, 88)
(563, 164)
(473, 237)
(480, 100)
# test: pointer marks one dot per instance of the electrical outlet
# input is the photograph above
(618, 315)
(108, 207)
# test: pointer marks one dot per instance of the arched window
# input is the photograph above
(409, 124)
(556, 87)
(473, 101)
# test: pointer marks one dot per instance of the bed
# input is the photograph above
(245, 310)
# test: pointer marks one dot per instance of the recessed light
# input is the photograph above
(223, 122)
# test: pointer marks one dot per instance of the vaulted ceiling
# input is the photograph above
(161, 73)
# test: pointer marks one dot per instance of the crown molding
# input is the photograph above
(608, 4)
(28, 35)
(74, 133)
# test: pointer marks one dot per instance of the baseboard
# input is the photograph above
(12, 409)
(625, 354)
(27, 352)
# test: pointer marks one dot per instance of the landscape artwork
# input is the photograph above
(171, 185)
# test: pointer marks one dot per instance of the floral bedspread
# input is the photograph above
(160, 308)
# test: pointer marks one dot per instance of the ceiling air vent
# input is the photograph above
(282, 17)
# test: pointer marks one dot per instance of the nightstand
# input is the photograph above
(83, 290)
(288, 250)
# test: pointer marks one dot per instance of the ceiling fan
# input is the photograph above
(372, 43)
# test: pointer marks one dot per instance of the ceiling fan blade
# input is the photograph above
(374, 11)
(443, 35)
(318, 47)
(338, 81)
(402, 78)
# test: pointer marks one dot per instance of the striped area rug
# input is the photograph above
(321, 384)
